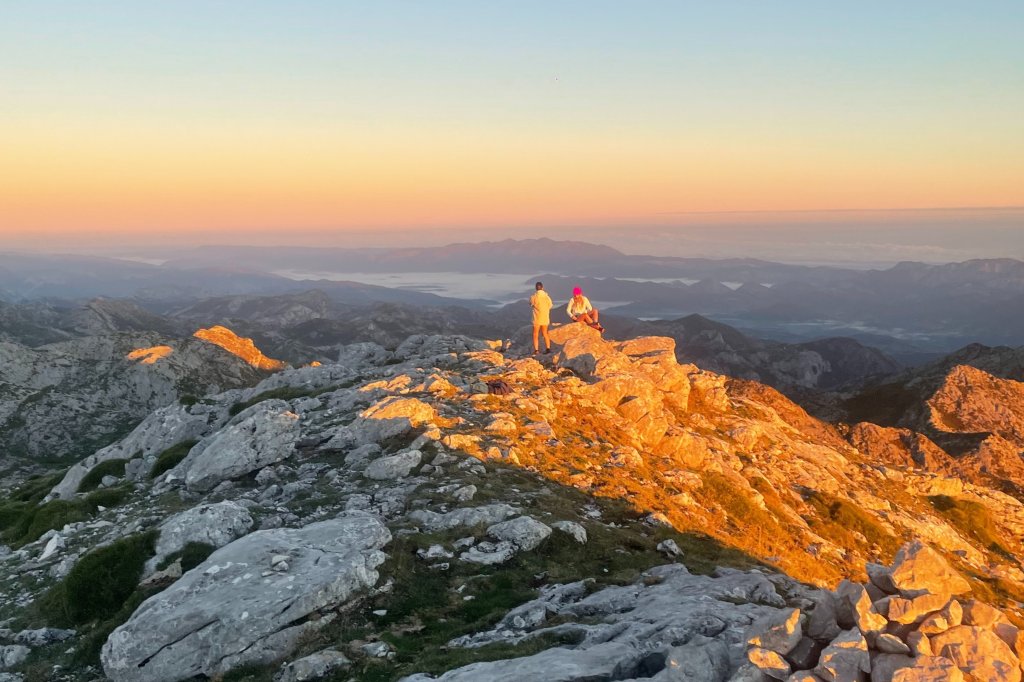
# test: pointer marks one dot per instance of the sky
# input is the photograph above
(263, 121)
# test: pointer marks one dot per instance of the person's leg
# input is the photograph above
(585, 318)
(593, 315)
(536, 331)
(547, 339)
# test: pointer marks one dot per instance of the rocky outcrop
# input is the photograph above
(907, 623)
(234, 610)
(640, 630)
(211, 524)
(263, 434)
(75, 397)
(241, 347)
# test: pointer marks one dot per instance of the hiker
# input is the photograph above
(541, 304)
(580, 310)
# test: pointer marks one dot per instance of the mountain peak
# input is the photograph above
(242, 347)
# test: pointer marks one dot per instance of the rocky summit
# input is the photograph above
(614, 516)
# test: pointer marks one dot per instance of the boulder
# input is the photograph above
(949, 617)
(393, 466)
(918, 569)
(263, 434)
(43, 637)
(779, 632)
(805, 654)
(229, 611)
(525, 532)
(313, 667)
(855, 608)
(845, 659)
(432, 522)
(489, 553)
(981, 614)
(891, 644)
(910, 611)
(12, 655)
(884, 666)
(881, 577)
(821, 621)
(979, 652)
(578, 532)
(769, 662)
(700, 660)
(211, 524)
(929, 669)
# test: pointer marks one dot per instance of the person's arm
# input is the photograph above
(568, 309)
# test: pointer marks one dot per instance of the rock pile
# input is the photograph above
(908, 622)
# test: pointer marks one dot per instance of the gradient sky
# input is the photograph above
(249, 117)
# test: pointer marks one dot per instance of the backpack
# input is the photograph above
(498, 387)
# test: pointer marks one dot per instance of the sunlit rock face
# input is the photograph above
(241, 346)
(148, 356)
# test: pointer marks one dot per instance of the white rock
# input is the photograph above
(578, 532)
(394, 466)
(525, 532)
(223, 614)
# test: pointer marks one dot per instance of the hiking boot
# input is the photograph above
(547, 351)
(535, 351)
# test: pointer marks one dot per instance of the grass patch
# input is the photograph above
(191, 555)
(284, 393)
(35, 520)
(100, 584)
(108, 498)
(171, 457)
(838, 519)
(110, 467)
(973, 520)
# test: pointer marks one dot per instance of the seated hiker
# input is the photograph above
(580, 310)
(541, 304)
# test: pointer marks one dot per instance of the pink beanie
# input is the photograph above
(577, 292)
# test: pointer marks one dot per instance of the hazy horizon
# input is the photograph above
(854, 238)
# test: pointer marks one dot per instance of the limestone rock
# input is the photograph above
(979, 652)
(263, 434)
(12, 655)
(821, 622)
(845, 659)
(929, 669)
(469, 516)
(525, 532)
(884, 666)
(213, 524)
(702, 659)
(914, 610)
(769, 662)
(779, 632)
(489, 553)
(891, 644)
(313, 667)
(394, 466)
(919, 569)
(949, 617)
(225, 613)
(573, 529)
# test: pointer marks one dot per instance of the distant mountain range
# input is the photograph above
(912, 311)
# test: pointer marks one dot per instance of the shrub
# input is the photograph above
(191, 555)
(101, 582)
(35, 520)
(171, 457)
(108, 497)
(110, 467)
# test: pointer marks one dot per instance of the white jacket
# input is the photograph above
(576, 309)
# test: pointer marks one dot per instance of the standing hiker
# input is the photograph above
(580, 310)
(541, 304)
